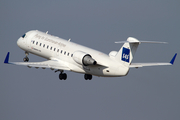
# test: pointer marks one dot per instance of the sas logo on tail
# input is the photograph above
(125, 55)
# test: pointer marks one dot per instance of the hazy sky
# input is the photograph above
(148, 93)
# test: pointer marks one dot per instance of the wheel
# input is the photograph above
(87, 76)
(25, 59)
(90, 77)
(60, 76)
(64, 76)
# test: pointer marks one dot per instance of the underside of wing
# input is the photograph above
(136, 65)
(52, 64)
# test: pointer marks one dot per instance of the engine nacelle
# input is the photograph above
(83, 58)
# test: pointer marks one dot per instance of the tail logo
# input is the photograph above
(125, 55)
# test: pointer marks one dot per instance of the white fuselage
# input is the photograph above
(52, 47)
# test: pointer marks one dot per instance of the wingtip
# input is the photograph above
(173, 59)
(7, 58)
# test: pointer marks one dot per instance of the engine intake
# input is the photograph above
(83, 58)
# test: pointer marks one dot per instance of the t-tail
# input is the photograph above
(127, 51)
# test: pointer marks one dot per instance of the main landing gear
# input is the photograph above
(26, 59)
(62, 76)
(87, 76)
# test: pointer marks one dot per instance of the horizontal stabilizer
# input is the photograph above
(141, 42)
(136, 65)
(134, 40)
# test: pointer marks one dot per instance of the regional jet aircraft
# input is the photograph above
(64, 55)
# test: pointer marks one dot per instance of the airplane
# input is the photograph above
(64, 55)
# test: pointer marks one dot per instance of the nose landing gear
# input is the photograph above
(26, 59)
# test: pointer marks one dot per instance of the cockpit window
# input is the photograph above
(23, 35)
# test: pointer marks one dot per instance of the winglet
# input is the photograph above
(7, 58)
(173, 59)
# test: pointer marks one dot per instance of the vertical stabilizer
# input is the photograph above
(127, 51)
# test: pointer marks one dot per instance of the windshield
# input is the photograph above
(23, 35)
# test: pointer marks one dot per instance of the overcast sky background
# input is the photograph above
(149, 93)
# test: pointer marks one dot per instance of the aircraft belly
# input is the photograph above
(108, 71)
(76, 68)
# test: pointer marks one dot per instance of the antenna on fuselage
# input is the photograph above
(69, 40)
(47, 32)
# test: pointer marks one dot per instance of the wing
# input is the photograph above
(136, 65)
(52, 64)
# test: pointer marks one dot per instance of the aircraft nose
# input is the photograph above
(18, 42)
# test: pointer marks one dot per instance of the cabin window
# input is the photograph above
(40, 44)
(71, 55)
(54, 49)
(51, 48)
(61, 51)
(36, 43)
(65, 53)
(58, 50)
(68, 54)
(33, 42)
(44, 45)
(47, 46)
